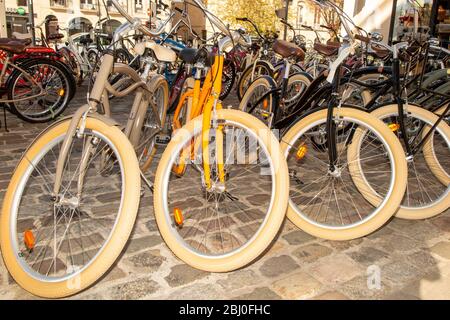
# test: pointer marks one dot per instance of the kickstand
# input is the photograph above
(4, 120)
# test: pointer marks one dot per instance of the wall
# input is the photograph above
(372, 15)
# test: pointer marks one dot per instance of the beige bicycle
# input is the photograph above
(73, 198)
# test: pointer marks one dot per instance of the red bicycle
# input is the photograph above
(34, 84)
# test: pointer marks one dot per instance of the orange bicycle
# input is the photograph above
(221, 186)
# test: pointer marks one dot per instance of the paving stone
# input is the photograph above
(276, 266)
(296, 286)
(343, 245)
(399, 271)
(399, 243)
(311, 253)
(422, 260)
(442, 222)
(442, 249)
(198, 291)
(143, 243)
(262, 293)
(335, 269)
(419, 230)
(151, 225)
(368, 255)
(362, 288)
(382, 232)
(135, 289)
(331, 295)
(114, 274)
(298, 237)
(240, 279)
(400, 295)
(432, 286)
(182, 274)
(149, 260)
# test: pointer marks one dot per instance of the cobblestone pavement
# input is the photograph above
(413, 257)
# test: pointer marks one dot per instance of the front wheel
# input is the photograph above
(57, 245)
(428, 180)
(261, 68)
(229, 224)
(323, 198)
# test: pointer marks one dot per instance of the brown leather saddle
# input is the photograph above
(55, 36)
(12, 45)
(328, 50)
(287, 49)
(379, 51)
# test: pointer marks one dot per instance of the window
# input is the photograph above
(122, 3)
(300, 10)
(59, 3)
(87, 4)
(22, 3)
(138, 6)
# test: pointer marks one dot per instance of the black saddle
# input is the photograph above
(191, 56)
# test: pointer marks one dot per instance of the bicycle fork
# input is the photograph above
(78, 123)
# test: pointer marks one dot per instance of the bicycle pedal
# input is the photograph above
(162, 139)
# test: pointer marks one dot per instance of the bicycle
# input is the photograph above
(67, 239)
(324, 200)
(422, 134)
(37, 88)
(219, 231)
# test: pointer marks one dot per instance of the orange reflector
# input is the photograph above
(178, 214)
(301, 152)
(61, 92)
(394, 126)
(28, 238)
(265, 104)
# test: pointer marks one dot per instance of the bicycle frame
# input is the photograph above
(8, 64)
(205, 100)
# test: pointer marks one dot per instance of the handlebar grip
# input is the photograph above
(325, 27)
(241, 19)
(179, 10)
(362, 38)
(305, 26)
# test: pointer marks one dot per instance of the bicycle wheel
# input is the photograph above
(428, 188)
(297, 84)
(325, 202)
(153, 122)
(53, 78)
(259, 88)
(56, 246)
(232, 223)
(228, 77)
(248, 76)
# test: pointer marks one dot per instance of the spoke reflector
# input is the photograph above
(178, 214)
(28, 238)
(301, 152)
(394, 126)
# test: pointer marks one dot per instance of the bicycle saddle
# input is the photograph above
(379, 51)
(85, 40)
(23, 41)
(191, 56)
(55, 36)
(326, 49)
(12, 46)
(287, 49)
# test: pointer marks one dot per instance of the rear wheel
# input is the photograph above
(57, 86)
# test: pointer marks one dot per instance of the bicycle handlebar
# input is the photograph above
(137, 24)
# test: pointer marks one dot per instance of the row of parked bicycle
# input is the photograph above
(341, 136)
